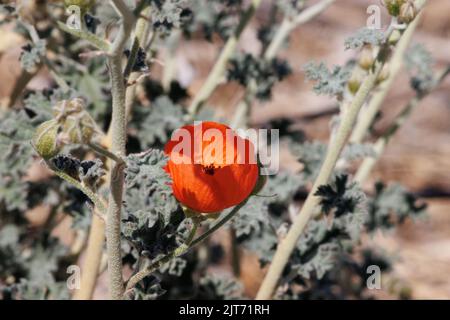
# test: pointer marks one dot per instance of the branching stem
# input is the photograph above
(106, 153)
(96, 41)
(370, 112)
(97, 201)
(287, 245)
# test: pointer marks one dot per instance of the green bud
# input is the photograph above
(79, 130)
(77, 125)
(384, 74)
(45, 139)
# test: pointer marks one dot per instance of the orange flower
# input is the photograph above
(212, 168)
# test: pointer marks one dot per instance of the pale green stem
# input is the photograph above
(141, 33)
(118, 140)
(96, 260)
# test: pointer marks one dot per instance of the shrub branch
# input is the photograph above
(118, 139)
(370, 112)
(287, 245)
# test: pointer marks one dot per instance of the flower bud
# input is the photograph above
(66, 108)
(366, 58)
(384, 74)
(79, 130)
(77, 125)
(407, 12)
(355, 80)
(45, 139)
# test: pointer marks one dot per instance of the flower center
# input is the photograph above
(209, 169)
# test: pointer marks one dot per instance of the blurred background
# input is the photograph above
(418, 156)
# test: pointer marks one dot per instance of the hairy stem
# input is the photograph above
(118, 143)
(94, 251)
(116, 179)
(141, 33)
(219, 67)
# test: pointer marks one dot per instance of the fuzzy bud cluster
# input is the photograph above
(71, 124)
(77, 125)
